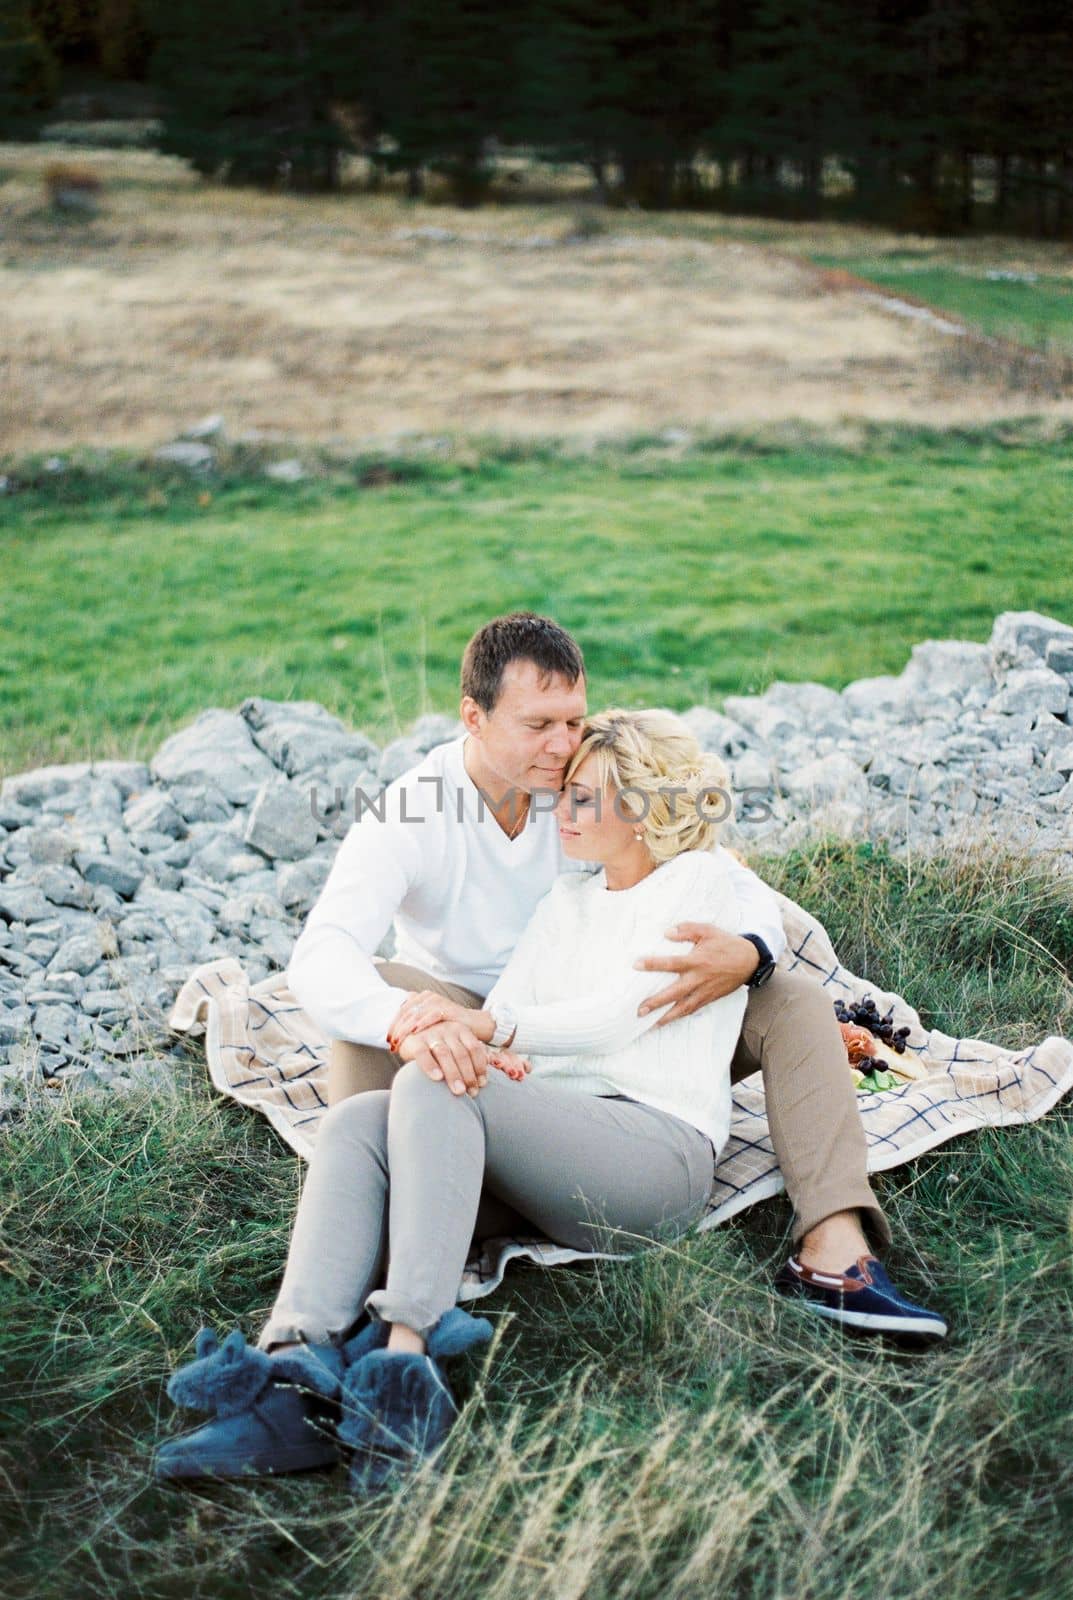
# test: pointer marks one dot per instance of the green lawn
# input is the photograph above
(665, 1427)
(1038, 313)
(126, 606)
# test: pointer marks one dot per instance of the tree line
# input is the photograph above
(937, 115)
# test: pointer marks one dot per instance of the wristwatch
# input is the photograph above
(767, 961)
(506, 1024)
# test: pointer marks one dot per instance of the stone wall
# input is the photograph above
(117, 878)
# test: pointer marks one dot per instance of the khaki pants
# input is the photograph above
(790, 1035)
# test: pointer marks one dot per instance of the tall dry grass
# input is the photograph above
(351, 318)
(663, 1427)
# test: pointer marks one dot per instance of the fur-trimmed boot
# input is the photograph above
(271, 1413)
(397, 1407)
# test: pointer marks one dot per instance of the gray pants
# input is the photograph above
(412, 1174)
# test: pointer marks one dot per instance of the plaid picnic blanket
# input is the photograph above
(265, 1052)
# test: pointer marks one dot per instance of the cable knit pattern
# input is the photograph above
(574, 989)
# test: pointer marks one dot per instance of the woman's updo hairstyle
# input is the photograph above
(678, 794)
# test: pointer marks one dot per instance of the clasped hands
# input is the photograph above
(449, 1042)
(458, 1053)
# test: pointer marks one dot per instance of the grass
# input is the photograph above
(131, 599)
(666, 1427)
(1035, 309)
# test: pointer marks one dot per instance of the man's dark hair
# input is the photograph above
(523, 636)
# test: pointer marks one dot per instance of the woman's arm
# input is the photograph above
(605, 1019)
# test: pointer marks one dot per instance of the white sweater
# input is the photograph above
(574, 989)
(459, 892)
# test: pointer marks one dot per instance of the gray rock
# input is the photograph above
(299, 883)
(105, 1004)
(275, 944)
(399, 757)
(178, 853)
(767, 721)
(889, 773)
(105, 900)
(1033, 690)
(1059, 758)
(237, 913)
(63, 886)
(281, 824)
(187, 453)
(15, 1025)
(1021, 639)
(148, 1073)
(56, 1025)
(30, 788)
(302, 737)
(1063, 802)
(12, 814)
(24, 905)
(199, 802)
(48, 845)
(128, 777)
(122, 879)
(81, 954)
(289, 471)
(435, 728)
(751, 770)
(216, 748)
(830, 778)
(1044, 781)
(155, 812)
(20, 962)
(402, 754)
(874, 697)
(210, 427)
(947, 667)
(1059, 655)
(716, 733)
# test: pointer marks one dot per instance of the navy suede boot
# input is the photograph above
(271, 1413)
(397, 1407)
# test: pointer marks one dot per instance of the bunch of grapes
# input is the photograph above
(865, 1014)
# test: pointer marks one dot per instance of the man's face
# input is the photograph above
(531, 733)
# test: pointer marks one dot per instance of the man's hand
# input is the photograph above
(450, 1053)
(425, 1009)
(716, 965)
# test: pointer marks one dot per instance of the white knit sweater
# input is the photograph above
(573, 987)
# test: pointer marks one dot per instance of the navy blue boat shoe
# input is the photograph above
(397, 1407)
(270, 1413)
(862, 1297)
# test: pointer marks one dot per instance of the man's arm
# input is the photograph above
(717, 962)
(331, 972)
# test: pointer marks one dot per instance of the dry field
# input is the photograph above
(329, 319)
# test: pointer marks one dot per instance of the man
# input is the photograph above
(457, 854)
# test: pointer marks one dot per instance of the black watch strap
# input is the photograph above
(767, 961)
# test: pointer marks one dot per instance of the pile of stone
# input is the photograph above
(970, 742)
(118, 878)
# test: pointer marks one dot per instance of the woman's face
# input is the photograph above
(591, 827)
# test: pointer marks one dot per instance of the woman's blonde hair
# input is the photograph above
(678, 794)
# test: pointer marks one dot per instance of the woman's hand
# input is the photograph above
(426, 1009)
(450, 1053)
(514, 1066)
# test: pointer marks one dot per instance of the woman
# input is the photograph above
(598, 1128)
